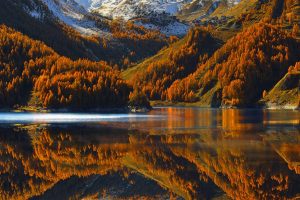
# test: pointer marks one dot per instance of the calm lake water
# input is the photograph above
(169, 153)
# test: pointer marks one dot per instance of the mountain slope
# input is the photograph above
(45, 24)
(199, 9)
(269, 48)
(254, 60)
(220, 31)
(177, 62)
(133, 8)
(286, 92)
(72, 14)
(205, 66)
(29, 67)
(165, 16)
(136, 8)
(43, 27)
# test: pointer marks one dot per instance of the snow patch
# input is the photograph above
(72, 14)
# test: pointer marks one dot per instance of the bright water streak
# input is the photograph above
(21, 118)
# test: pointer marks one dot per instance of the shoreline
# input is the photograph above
(128, 110)
(265, 106)
(120, 110)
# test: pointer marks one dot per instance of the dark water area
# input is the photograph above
(169, 153)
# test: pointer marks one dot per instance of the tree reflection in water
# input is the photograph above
(234, 157)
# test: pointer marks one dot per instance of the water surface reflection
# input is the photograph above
(189, 153)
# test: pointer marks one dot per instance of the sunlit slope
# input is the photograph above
(285, 92)
(177, 63)
(247, 13)
(205, 9)
(238, 55)
(242, 25)
(161, 55)
(194, 10)
(243, 7)
(258, 9)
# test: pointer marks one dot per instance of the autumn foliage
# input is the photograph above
(249, 63)
(295, 68)
(17, 71)
(137, 99)
(180, 62)
(81, 85)
(28, 66)
(33, 166)
(119, 41)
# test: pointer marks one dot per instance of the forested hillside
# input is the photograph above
(121, 42)
(238, 73)
(243, 59)
(233, 57)
(30, 67)
(180, 62)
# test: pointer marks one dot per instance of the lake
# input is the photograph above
(168, 153)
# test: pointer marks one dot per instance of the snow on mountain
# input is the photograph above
(79, 14)
(129, 9)
(72, 14)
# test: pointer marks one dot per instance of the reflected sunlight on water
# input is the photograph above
(169, 153)
(17, 118)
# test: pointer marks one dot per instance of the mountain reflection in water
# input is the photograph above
(190, 153)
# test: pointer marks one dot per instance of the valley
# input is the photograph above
(149, 99)
(201, 53)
